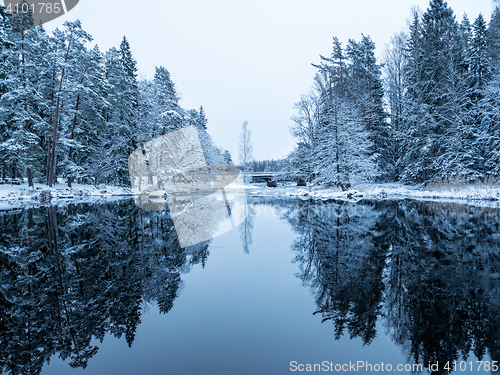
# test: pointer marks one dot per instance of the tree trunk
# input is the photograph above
(74, 122)
(56, 120)
(26, 124)
(30, 177)
(48, 162)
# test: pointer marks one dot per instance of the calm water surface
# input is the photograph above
(106, 289)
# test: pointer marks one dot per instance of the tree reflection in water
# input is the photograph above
(68, 275)
(430, 270)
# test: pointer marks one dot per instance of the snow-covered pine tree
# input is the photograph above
(21, 20)
(66, 55)
(341, 151)
(6, 46)
(76, 89)
(86, 111)
(328, 154)
(25, 103)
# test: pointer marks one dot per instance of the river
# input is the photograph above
(369, 286)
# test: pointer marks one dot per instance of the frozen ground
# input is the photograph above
(488, 196)
(17, 196)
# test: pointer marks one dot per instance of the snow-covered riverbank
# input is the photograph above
(17, 196)
(483, 195)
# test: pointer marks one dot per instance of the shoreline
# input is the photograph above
(20, 196)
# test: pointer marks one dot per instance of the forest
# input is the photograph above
(429, 112)
(71, 112)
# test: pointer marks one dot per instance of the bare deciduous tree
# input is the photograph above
(245, 146)
(394, 63)
(306, 122)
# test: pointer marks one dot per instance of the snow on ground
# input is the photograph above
(17, 196)
(482, 195)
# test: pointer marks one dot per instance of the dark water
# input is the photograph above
(107, 288)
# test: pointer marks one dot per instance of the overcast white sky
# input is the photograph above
(245, 60)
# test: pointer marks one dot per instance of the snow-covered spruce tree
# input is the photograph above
(465, 28)
(478, 67)
(120, 137)
(159, 109)
(366, 90)
(301, 163)
(490, 102)
(411, 138)
(130, 66)
(211, 152)
(494, 37)
(490, 126)
(202, 119)
(479, 60)
(436, 115)
(227, 157)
